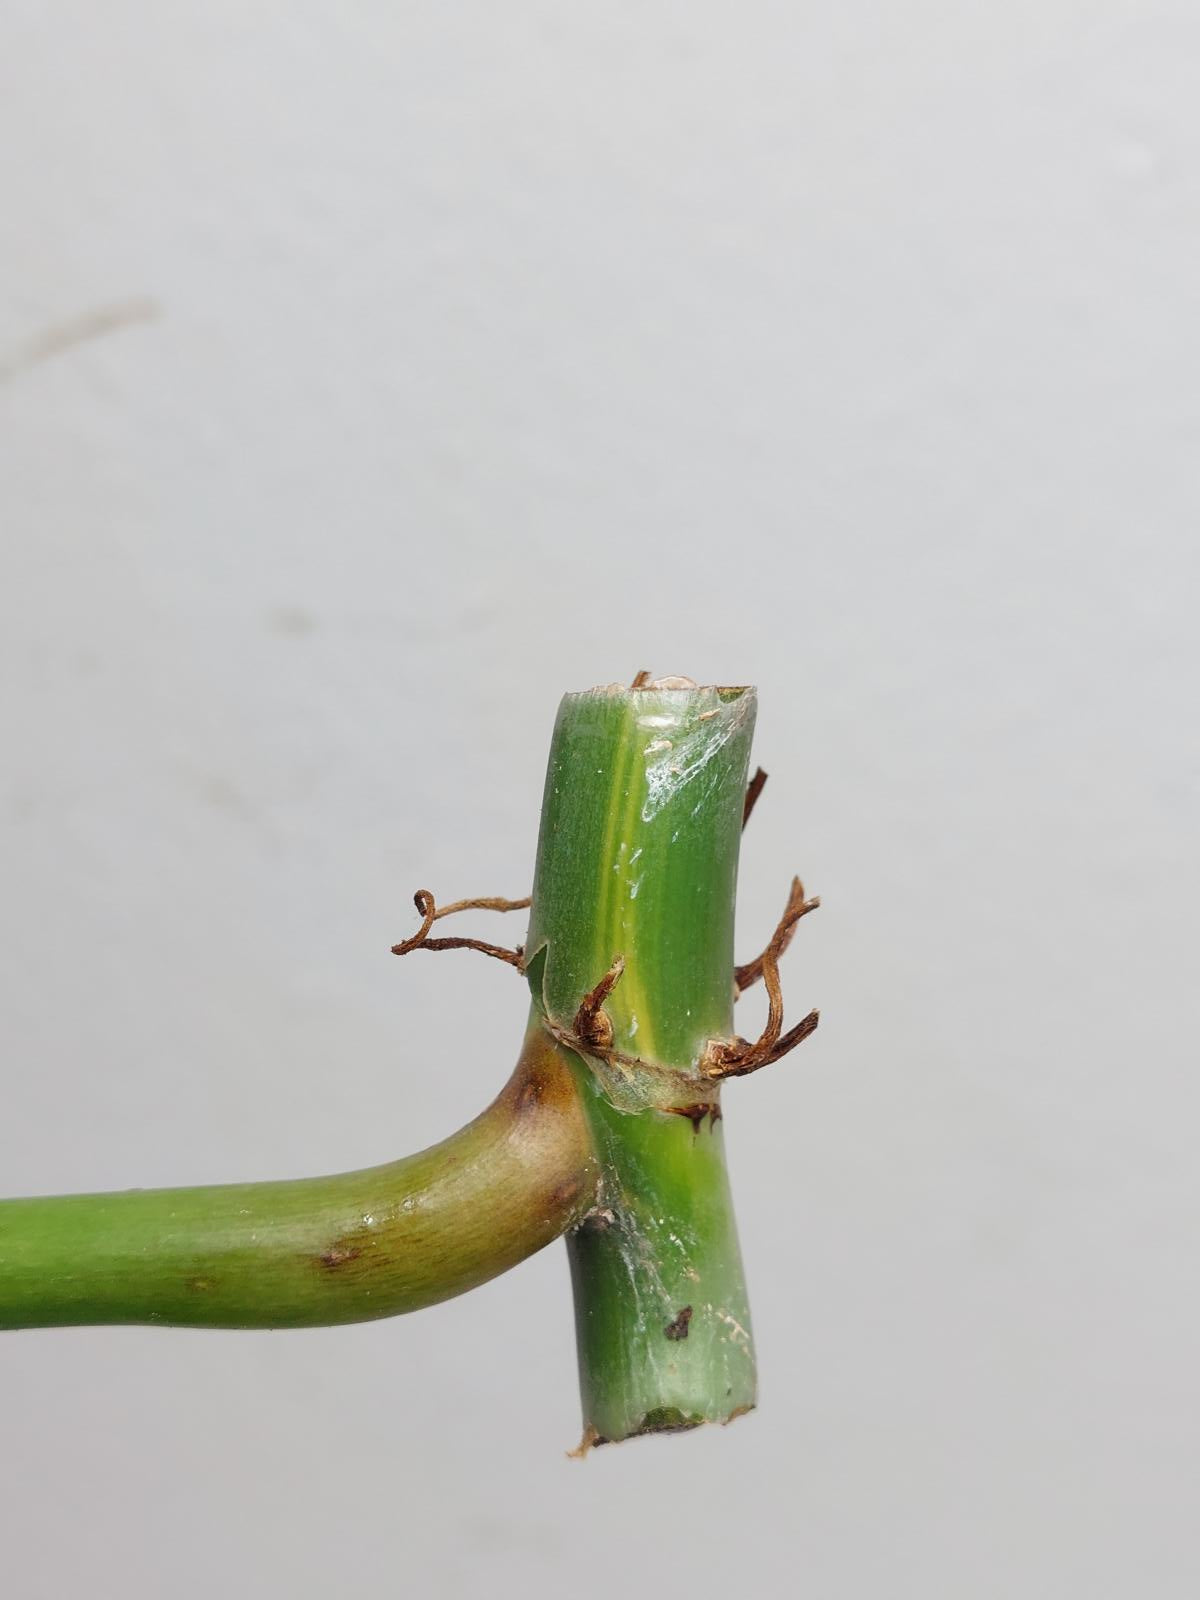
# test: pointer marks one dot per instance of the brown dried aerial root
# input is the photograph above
(431, 913)
(753, 789)
(593, 1026)
(591, 1035)
(734, 1058)
(591, 1031)
(797, 907)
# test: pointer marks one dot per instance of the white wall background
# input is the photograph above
(371, 375)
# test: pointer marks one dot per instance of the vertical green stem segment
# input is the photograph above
(637, 858)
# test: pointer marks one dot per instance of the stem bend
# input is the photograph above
(314, 1251)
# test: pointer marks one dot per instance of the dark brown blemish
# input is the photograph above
(338, 1254)
(697, 1112)
(678, 1329)
(530, 1094)
(542, 1084)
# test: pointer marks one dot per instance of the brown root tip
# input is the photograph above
(592, 1025)
(753, 789)
(589, 1442)
(737, 1058)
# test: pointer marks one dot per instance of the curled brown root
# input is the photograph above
(734, 1058)
(431, 913)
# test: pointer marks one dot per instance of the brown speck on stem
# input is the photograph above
(678, 1327)
(338, 1254)
(530, 1095)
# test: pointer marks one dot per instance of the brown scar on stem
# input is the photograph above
(697, 1112)
(430, 913)
(338, 1254)
(641, 679)
(753, 789)
(678, 1327)
(530, 1095)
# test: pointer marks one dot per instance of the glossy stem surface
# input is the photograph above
(314, 1251)
(637, 859)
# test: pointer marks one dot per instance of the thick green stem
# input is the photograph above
(313, 1251)
(608, 1130)
(638, 859)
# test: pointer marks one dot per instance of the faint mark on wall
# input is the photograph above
(224, 795)
(65, 334)
(293, 622)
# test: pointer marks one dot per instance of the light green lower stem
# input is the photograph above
(638, 858)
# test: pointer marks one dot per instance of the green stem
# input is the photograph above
(607, 1130)
(314, 1251)
(638, 858)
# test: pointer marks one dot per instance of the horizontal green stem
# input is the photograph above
(314, 1251)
